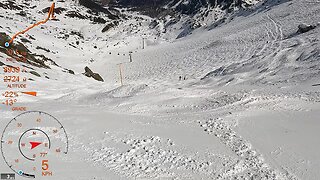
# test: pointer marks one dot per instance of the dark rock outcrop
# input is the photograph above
(71, 72)
(89, 73)
(35, 73)
(109, 26)
(57, 10)
(303, 28)
(24, 55)
(188, 7)
(10, 5)
(94, 19)
(97, 8)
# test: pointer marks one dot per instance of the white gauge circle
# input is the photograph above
(29, 137)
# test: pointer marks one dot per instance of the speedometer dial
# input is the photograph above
(29, 140)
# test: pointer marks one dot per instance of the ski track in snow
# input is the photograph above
(251, 164)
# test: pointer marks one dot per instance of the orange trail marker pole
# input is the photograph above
(50, 15)
(30, 93)
(120, 71)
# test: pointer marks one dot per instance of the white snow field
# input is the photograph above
(249, 107)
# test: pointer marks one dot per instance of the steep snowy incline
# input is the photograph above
(236, 101)
(262, 48)
(254, 64)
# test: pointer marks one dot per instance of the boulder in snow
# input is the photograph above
(89, 73)
(303, 28)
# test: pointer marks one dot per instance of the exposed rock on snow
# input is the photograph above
(89, 73)
(303, 28)
(31, 58)
(97, 8)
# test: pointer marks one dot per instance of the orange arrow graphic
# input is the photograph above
(50, 15)
(30, 93)
(35, 144)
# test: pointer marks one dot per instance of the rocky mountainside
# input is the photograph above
(184, 6)
(116, 21)
(171, 15)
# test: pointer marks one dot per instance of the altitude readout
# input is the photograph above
(11, 79)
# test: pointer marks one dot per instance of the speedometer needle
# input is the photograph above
(35, 144)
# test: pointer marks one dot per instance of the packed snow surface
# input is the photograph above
(240, 100)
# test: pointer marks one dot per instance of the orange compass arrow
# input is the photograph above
(35, 144)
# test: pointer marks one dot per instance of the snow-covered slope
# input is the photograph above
(237, 99)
